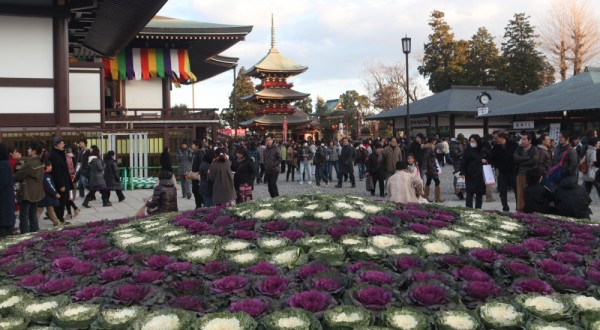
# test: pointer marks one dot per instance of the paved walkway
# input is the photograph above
(134, 199)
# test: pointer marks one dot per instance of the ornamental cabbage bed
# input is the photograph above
(307, 262)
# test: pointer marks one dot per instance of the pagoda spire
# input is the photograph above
(272, 32)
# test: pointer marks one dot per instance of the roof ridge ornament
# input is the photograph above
(272, 31)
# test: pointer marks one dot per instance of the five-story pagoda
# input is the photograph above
(274, 94)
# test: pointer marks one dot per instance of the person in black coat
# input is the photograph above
(537, 196)
(571, 199)
(346, 163)
(7, 194)
(502, 158)
(471, 169)
(198, 155)
(205, 187)
(245, 171)
(60, 175)
(165, 160)
(112, 176)
(376, 169)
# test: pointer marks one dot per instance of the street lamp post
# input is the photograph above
(406, 50)
(358, 121)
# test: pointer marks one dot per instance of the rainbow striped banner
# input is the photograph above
(149, 63)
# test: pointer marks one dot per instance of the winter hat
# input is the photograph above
(56, 140)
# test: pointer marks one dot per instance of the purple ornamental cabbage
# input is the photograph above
(88, 292)
(380, 220)
(373, 297)
(353, 268)
(178, 267)
(380, 230)
(93, 254)
(481, 290)
(23, 269)
(406, 263)
(114, 274)
(310, 227)
(215, 268)
(244, 234)
(245, 224)
(92, 244)
(275, 226)
(326, 284)
(518, 269)
(114, 256)
(550, 266)
(184, 222)
(230, 284)
(148, 276)
(593, 275)
(309, 270)
(338, 231)
(57, 286)
(570, 283)
(254, 307)
(403, 215)
(273, 286)
(428, 295)
(515, 251)
(83, 268)
(420, 228)
(532, 285)
(568, 257)
(543, 231)
(424, 277)
(263, 268)
(64, 265)
(535, 245)
(187, 286)
(217, 232)
(376, 277)
(198, 227)
(444, 216)
(419, 213)
(579, 249)
(485, 255)
(451, 260)
(312, 301)
(131, 293)
(353, 223)
(31, 281)
(210, 217)
(187, 302)
(292, 234)
(438, 223)
(7, 260)
(473, 274)
(157, 262)
(224, 221)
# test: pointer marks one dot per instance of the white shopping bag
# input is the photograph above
(488, 175)
(438, 167)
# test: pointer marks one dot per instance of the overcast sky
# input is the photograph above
(336, 39)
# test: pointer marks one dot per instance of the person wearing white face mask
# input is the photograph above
(471, 169)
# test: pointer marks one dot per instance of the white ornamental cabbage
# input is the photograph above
(457, 320)
(162, 322)
(325, 215)
(292, 322)
(40, 307)
(437, 247)
(501, 314)
(264, 214)
(586, 304)
(354, 215)
(292, 215)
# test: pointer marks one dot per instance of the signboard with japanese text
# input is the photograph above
(523, 124)
(482, 111)
(554, 132)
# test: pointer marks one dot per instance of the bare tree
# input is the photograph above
(570, 35)
(386, 85)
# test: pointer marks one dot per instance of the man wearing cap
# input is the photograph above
(184, 162)
(60, 175)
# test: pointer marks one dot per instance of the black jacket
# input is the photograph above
(272, 159)
(245, 173)
(7, 195)
(197, 160)
(472, 168)
(346, 159)
(502, 157)
(571, 199)
(164, 197)
(206, 187)
(112, 177)
(375, 168)
(320, 158)
(415, 149)
(60, 170)
(537, 199)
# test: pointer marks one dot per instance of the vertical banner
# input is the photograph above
(285, 129)
(341, 128)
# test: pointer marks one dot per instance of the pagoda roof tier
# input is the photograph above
(294, 119)
(276, 94)
(274, 62)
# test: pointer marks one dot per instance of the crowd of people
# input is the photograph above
(543, 175)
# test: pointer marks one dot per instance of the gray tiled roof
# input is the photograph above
(297, 118)
(581, 92)
(277, 94)
(275, 62)
(458, 99)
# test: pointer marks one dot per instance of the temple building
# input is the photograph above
(105, 70)
(274, 94)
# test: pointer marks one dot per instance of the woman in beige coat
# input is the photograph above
(403, 187)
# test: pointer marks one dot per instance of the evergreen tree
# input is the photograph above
(525, 68)
(243, 110)
(483, 60)
(348, 99)
(442, 60)
(320, 107)
(304, 105)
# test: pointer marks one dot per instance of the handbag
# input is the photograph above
(583, 166)
(554, 174)
(369, 183)
(193, 175)
(245, 193)
(488, 174)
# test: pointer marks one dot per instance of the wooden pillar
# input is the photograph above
(437, 126)
(165, 136)
(486, 128)
(166, 98)
(452, 125)
(61, 71)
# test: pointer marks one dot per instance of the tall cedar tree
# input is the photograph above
(244, 110)
(525, 68)
(442, 60)
(483, 63)
(351, 118)
(320, 106)
(304, 105)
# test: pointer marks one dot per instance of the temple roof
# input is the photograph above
(457, 99)
(274, 62)
(276, 94)
(296, 118)
(167, 25)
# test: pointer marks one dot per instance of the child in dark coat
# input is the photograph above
(537, 196)
(51, 198)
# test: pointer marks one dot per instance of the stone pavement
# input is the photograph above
(134, 199)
